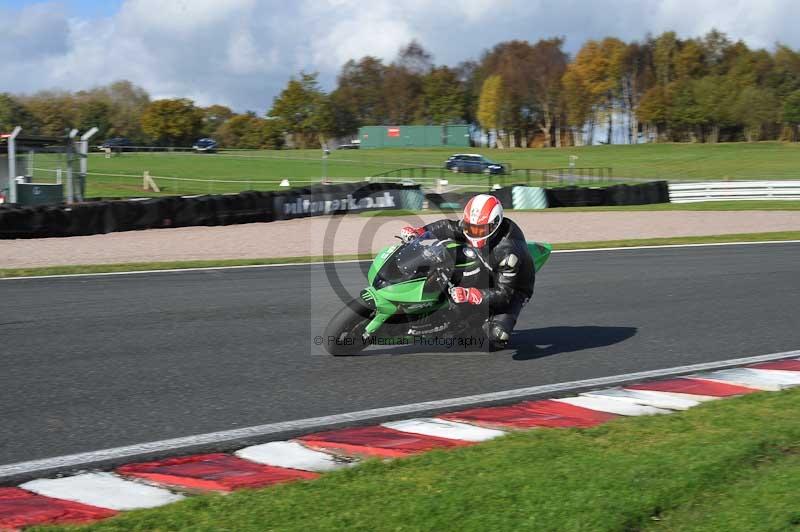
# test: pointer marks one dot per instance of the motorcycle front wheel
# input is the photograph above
(345, 332)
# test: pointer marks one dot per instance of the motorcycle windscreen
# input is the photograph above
(413, 261)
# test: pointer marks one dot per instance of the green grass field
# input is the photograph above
(263, 170)
(731, 465)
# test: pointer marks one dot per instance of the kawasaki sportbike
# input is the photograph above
(408, 295)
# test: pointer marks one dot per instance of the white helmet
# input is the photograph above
(482, 217)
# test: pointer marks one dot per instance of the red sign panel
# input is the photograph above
(393, 132)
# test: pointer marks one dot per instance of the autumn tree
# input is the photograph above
(490, 107)
(594, 77)
(334, 120)
(246, 131)
(403, 85)
(654, 110)
(297, 110)
(548, 65)
(757, 109)
(578, 104)
(128, 102)
(791, 113)
(470, 76)
(172, 122)
(214, 116)
(442, 97)
(665, 50)
(360, 90)
(53, 113)
(93, 109)
(13, 113)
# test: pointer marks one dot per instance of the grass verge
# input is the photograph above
(234, 171)
(173, 265)
(705, 469)
(186, 265)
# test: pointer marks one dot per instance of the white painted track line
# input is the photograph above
(333, 261)
(612, 406)
(88, 459)
(645, 397)
(668, 246)
(104, 490)
(291, 454)
(761, 379)
(443, 428)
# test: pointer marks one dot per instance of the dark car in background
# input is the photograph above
(117, 144)
(205, 145)
(472, 163)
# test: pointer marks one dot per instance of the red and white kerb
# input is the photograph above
(482, 217)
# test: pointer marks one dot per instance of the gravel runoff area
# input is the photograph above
(358, 234)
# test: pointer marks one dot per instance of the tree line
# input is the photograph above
(517, 94)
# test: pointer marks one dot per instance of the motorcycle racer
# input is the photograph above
(500, 247)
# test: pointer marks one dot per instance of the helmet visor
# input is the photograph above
(478, 231)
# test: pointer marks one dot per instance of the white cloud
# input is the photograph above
(241, 52)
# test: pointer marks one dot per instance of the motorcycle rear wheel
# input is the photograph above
(344, 333)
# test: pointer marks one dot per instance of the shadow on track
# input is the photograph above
(539, 343)
(528, 344)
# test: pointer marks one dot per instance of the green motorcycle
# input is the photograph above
(408, 295)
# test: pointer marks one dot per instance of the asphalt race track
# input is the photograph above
(103, 361)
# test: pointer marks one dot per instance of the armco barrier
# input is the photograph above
(734, 190)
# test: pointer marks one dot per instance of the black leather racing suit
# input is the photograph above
(509, 274)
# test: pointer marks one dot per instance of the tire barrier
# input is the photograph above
(344, 198)
(639, 194)
(575, 197)
(100, 217)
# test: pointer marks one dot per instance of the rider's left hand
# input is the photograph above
(472, 296)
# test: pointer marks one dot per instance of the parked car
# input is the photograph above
(354, 145)
(471, 163)
(117, 144)
(205, 145)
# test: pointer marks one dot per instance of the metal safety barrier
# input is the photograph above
(734, 190)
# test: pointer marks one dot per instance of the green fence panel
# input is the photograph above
(528, 198)
(414, 136)
(411, 199)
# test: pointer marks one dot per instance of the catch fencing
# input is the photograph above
(566, 176)
(734, 190)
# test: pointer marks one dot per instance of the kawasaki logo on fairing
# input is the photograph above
(418, 306)
(349, 203)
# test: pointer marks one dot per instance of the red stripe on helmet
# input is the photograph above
(488, 207)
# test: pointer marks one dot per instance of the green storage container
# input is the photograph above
(414, 136)
(39, 194)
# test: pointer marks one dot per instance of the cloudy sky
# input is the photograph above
(241, 52)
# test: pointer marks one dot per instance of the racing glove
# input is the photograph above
(472, 296)
(408, 233)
